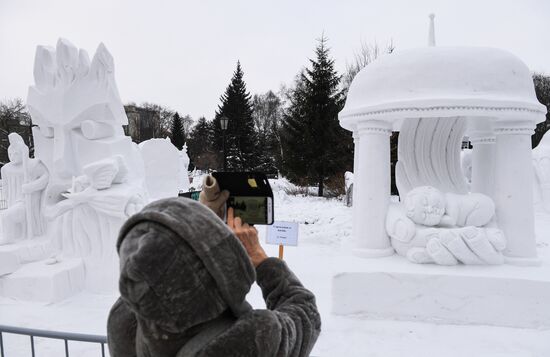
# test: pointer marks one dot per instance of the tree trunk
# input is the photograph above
(320, 187)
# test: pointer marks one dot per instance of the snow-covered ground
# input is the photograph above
(325, 231)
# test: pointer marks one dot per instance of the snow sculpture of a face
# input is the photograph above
(425, 205)
(77, 108)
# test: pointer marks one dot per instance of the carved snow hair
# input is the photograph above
(45, 68)
(66, 64)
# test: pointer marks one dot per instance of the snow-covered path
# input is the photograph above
(324, 234)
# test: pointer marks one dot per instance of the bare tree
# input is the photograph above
(188, 124)
(14, 117)
(161, 122)
(366, 54)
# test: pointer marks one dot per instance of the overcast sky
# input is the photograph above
(182, 53)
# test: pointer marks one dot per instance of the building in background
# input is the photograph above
(141, 123)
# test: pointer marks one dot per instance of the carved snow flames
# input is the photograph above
(434, 96)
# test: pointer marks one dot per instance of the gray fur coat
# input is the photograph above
(184, 277)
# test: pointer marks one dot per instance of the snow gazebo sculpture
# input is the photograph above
(434, 96)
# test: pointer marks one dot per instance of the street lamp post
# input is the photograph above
(223, 123)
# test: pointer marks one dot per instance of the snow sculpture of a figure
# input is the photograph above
(23, 183)
(79, 116)
(184, 165)
(94, 209)
(432, 227)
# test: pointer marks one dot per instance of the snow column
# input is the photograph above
(483, 157)
(514, 190)
(355, 177)
(372, 184)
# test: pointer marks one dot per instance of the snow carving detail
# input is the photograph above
(445, 229)
(23, 183)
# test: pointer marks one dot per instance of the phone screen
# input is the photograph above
(253, 210)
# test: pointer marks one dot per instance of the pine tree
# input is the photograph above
(177, 134)
(240, 135)
(200, 145)
(315, 146)
(267, 118)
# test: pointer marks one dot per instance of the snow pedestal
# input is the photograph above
(8, 263)
(393, 289)
(28, 250)
(14, 254)
(41, 282)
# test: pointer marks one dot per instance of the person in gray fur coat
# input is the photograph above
(184, 276)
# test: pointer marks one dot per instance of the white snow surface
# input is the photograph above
(325, 232)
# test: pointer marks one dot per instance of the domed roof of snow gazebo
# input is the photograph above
(442, 81)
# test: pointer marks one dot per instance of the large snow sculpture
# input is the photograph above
(96, 172)
(23, 184)
(432, 227)
(435, 96)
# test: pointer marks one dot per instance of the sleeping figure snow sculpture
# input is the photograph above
(23, 184)
(96, 173)
(432, 227)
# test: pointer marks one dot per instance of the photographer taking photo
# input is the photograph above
(184, 276)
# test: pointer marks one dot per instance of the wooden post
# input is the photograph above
(281, 251)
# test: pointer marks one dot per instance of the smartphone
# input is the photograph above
(250, 195)
(194, 195)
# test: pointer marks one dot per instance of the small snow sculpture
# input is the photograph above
(23, 184)
(184, 165)
(432, 227)
(348, 178)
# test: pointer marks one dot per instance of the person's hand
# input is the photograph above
(248, 236)
(211, 196)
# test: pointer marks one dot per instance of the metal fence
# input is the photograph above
(65, 336)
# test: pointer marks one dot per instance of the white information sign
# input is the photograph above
(282, 233)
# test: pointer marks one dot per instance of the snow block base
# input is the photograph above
(8, 263)
(454, 299)
(28, 250)
(41, 282)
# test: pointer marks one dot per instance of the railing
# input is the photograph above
(65, 336)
